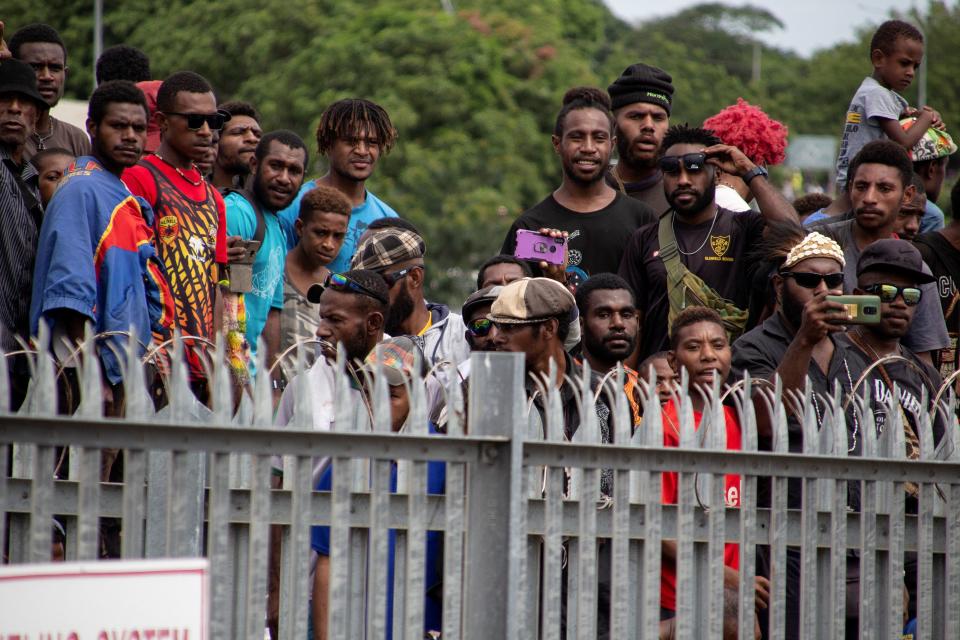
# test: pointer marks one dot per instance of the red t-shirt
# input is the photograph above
(190, 239)
(141, 183)
(669, 493)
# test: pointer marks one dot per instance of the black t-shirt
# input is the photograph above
(597, 239)
(910, 384)
(721, 263)
(944, 261)
(649, 191)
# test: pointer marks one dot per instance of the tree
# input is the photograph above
(474, 93)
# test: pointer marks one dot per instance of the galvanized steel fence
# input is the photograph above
(522, 516)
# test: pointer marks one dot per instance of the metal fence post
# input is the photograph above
(493, 546)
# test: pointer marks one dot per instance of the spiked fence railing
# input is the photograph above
(541, 536)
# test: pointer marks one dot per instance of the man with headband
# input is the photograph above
(798, 340)
(802, 338)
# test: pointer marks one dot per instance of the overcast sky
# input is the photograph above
(810, 24)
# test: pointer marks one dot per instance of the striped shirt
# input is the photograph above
(18, 247)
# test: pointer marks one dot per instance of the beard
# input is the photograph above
(628, 156)
(704, 200)
(259, 190)
(792, 309)
(355, 347)
(234, 166)
(597, 347)
(399, 311)
(585, 181)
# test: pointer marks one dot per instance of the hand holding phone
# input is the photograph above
(540, 247)
(241, 266)
(861, 309)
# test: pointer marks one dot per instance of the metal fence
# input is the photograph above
(523, 519)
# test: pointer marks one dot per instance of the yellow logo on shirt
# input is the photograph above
(853, 117)
(720, 245)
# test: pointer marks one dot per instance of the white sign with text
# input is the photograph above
(109, 600)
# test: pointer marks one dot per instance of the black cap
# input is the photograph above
(19, 77)
(894, 255)
(642, 83)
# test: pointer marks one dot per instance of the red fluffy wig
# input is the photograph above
(747, 127)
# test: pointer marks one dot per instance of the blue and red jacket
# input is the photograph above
(95, 257)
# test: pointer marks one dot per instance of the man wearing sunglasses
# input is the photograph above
(803, 340)
(480, 334)
(189, 214)
(41, 47)
(893, 270)
(397, 255)
(352, 306)
(704, 240)
(880, 184)
(800, 339)
(531, 316)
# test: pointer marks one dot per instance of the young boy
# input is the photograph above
(666, 377)
(698, 343)
(320, 228)
(51, 164)
(896, 51)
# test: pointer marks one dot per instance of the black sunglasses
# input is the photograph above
(889, 293)
(340, 282)
(396, 276)
(809, 280)
(480, 327)
(195, 120)
(691, 162)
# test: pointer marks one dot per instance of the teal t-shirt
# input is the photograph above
(372, 209)
(267, 292)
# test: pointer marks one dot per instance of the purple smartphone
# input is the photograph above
(536, 246)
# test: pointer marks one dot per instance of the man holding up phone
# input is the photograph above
(278, 167)
(802, 340)
(597, 219)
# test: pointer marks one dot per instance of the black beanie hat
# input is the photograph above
(642, 83)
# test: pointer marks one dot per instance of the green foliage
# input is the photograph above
(474, 93)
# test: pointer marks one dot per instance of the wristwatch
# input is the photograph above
(753, 173)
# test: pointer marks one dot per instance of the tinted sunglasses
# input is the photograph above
(809, 280)
(480, 327)
(395, 277)
(195, 120)
(340, 282)
(691, 162)
(889, 293)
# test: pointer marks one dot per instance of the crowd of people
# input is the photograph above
(176, 212)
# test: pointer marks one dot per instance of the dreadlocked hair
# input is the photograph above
(349, 118)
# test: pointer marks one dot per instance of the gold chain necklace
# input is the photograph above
(179, 172)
